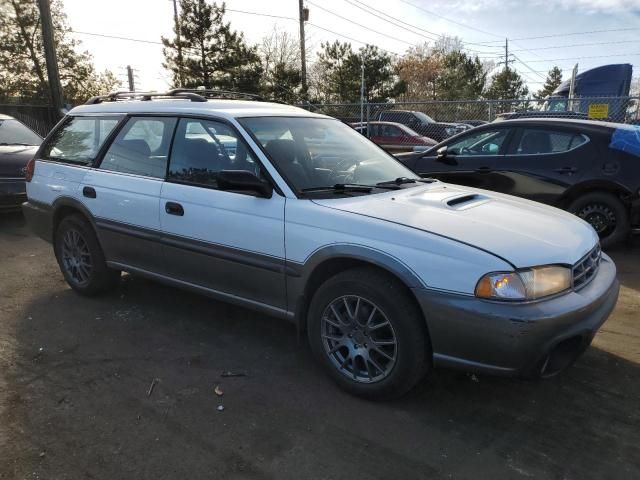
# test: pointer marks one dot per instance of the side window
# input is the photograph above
(201, 148)
(486, 142)
(537, 141)
(141, 147)
(79, 139)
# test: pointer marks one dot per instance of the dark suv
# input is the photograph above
(423, 123)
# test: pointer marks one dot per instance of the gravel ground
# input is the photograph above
(76, 402)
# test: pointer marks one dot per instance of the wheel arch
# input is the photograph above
(65, 206)
(304, 279)
(595, 185)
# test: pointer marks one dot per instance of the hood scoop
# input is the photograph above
(463, 202)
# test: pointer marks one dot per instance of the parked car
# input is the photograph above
(394, 137)
(589, 168)
(18, 145)
(423, 123)
(387, 273)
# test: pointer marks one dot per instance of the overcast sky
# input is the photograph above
(482, 24)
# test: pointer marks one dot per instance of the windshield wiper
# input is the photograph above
(349, 187)
(404, 180)
(5, 144)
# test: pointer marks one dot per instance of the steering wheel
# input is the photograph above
(340, 175)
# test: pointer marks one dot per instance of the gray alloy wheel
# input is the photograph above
(359, 339)
(76, 257)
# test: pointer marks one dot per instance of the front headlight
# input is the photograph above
(529, 284)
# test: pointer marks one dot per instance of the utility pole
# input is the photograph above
(303, 14)
(53, 75)
(178, 43)
(132, 84)
(362, 91)
(506, 54)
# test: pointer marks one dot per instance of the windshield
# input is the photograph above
(12, 132)
(320, 152)
(424, 117)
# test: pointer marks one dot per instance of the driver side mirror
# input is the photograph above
(243, 181)
(444, 157)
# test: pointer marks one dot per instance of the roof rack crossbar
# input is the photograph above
(193, 94)
(212, 93)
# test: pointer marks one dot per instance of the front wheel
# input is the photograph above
(606, 214)
(367, 332)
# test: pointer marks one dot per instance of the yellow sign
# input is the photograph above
(598, 110)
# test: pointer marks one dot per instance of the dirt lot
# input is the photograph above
(75, 376)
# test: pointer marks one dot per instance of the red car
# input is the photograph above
(394, 137)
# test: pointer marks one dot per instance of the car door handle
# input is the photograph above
(173, 208)
(483, 169)
(89, 192)
(567, 170)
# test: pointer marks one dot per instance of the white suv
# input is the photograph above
(299, 216)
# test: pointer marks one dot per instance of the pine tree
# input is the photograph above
(507, 85)
(554, 78)
(213, 55)
(23, 70)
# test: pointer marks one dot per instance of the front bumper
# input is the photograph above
(13, 192)
(518, 338)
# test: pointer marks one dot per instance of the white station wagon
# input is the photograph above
(297, 215)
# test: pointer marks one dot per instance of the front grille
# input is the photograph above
(586, 268)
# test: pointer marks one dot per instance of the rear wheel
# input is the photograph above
(81, 259)
(606, 214)
(368, 334)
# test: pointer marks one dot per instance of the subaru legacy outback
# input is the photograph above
(297, 215)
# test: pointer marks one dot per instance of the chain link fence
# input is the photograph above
(441, 119)
(38, 117)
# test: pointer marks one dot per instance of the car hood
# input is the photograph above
(13, 158)
(522, 232)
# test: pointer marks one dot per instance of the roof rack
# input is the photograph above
(210, 93)
(195, 95)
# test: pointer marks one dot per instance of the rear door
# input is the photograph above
(123, 193)
(542, 163)
(470, 159)
(228, 242)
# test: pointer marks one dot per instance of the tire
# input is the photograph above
(606, 214)
(391, 370)
(81, 259)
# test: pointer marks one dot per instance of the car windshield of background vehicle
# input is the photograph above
(318, 152)
(79, 139)
(487, 142)
(424, 117)
(12, 132)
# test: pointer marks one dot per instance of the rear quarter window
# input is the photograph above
(79, 139)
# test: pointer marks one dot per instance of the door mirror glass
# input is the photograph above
(445, 156)
(243, 181)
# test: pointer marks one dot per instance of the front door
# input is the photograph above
(228, 242)
(470, 159)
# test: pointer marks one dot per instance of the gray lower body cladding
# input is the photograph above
(515, 339)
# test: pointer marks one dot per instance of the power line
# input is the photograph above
(394, 21)
(566, 34)
(261, 14)
(585, 58)
(449, 20)
(580, 45)
(349, 38)
(528, 67)
(359, 24)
